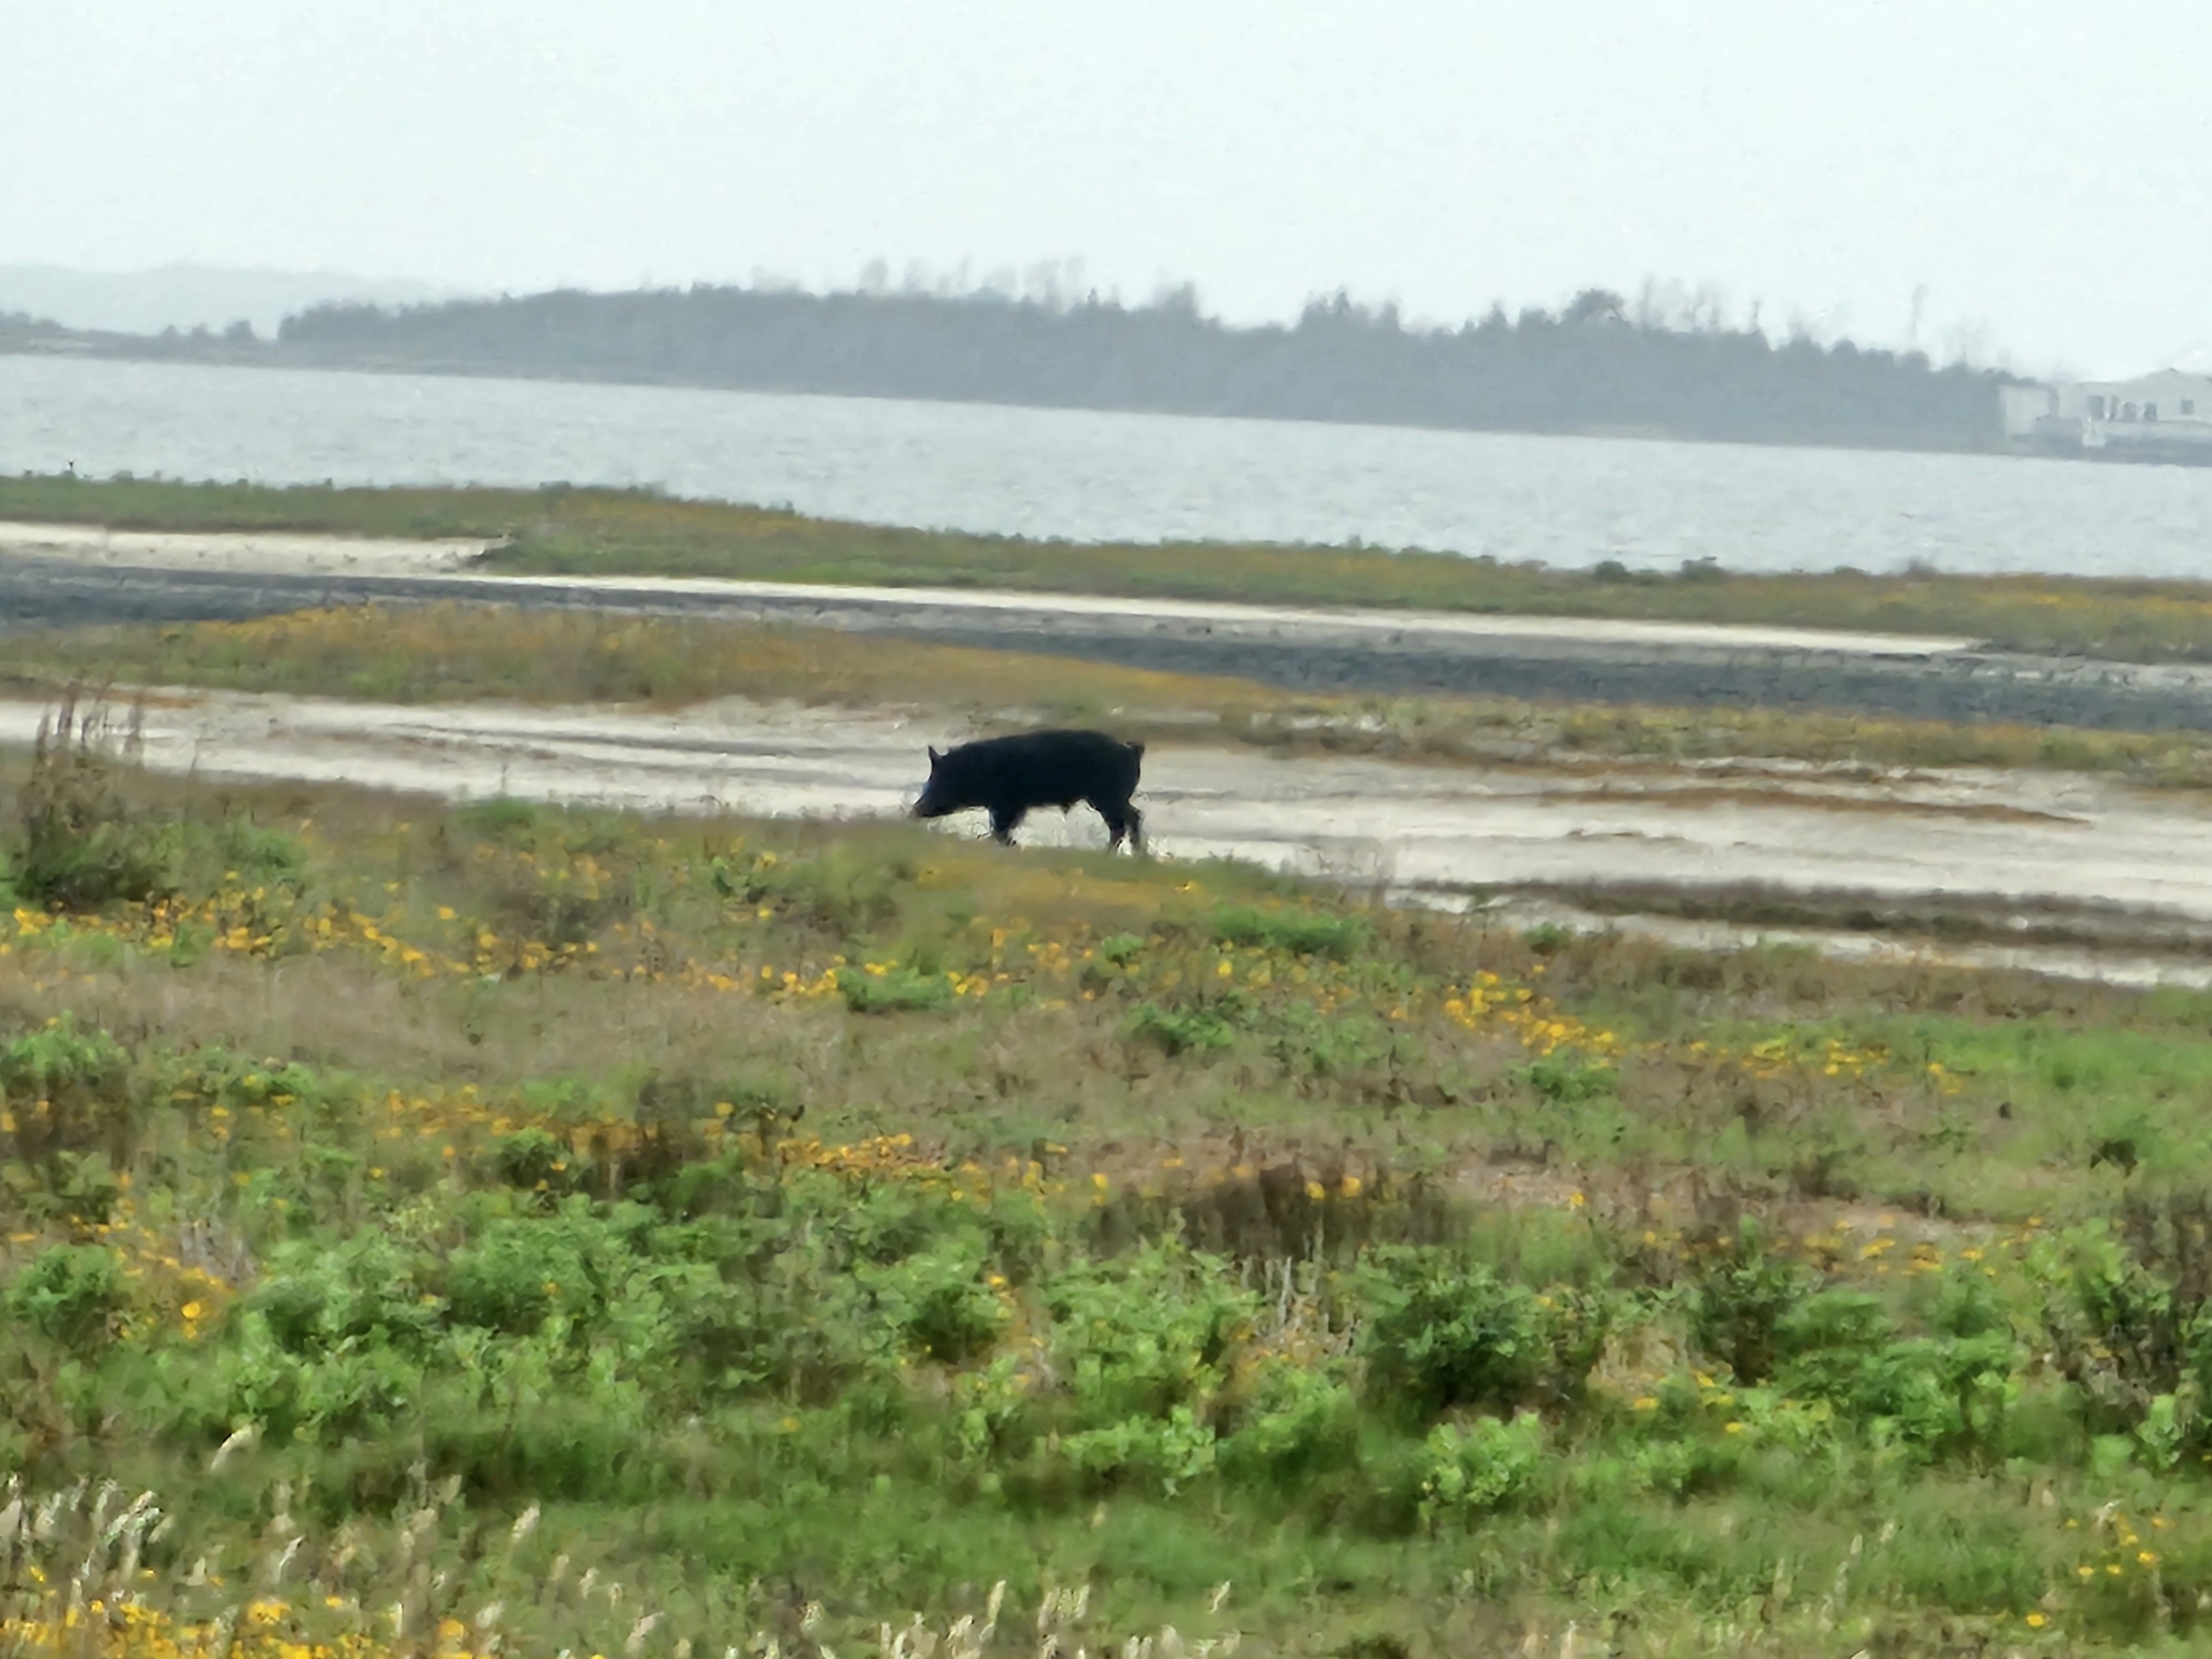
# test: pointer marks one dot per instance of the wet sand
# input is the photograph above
(2123, 879)
(264, 551)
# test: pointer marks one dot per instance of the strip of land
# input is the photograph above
(562, 532)
(1301, 649)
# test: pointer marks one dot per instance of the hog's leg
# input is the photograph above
(1121, 821)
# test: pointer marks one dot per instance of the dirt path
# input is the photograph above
(2090, 878)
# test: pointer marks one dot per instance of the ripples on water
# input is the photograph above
(1092, 476)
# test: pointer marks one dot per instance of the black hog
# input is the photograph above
(1010, 776)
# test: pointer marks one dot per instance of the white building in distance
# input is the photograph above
(2165, 417)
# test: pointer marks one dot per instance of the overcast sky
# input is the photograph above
(2044, 167)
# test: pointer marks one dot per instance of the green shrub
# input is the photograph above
(1568, 1080)
(1120, 949)
(1442, 1334)
(502, 818)
(938, 1302)
(1467, 1471)
(79, 845)
(1182, 1030)
(1301, 932)
(1683, 1465)
(512, 1277)
(257, 854)
(361, 1294)
(61, 1061)
(324, 1392)
(532, 1159)
(895, 990)
(1841, 1346)
(1300, 1424)
(1142, 1333)
(1739, 1303)
(845, 890)
(2127, 1313)
(69, 1294)
(1168, 1450)
(67, 1100)
(769, 1304)
(988, 1407)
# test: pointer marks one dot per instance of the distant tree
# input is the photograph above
(1040, 285)
(1594, 305)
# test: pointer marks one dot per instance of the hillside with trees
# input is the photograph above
(1593, 366)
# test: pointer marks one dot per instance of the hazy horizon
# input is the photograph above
(2026, 177)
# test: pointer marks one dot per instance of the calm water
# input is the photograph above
(1140, 478)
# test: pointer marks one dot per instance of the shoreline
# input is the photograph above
(559, 528)
(517, 375)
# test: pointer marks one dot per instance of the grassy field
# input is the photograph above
(602, 532)
(505, 1230)
(433, 653)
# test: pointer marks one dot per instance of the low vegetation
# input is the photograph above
(448, 653)
(499, 1229)
(636, 532)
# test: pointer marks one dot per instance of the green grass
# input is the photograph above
(759, 1215)
(604, 532)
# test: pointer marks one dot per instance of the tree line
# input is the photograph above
(1594, 364)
